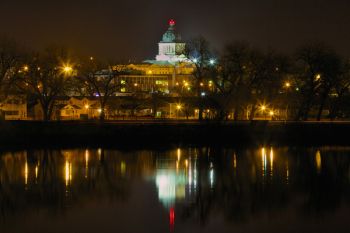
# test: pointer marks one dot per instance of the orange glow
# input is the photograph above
(318, 77)
(234, 161)
(68, 173)
(36, 171)
(67, 69)
(86, 163)
(318, 161)
(26, 173)
(178, 154)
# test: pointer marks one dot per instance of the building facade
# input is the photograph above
(163, 74)
(167, 74)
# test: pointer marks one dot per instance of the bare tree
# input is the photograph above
(318, 68)
(99, 80)
(10, 62)
(198, 51)
(330, 78)
(340, 90)
(267, 71)
(247, 76)
(45, 77)
(231, 76)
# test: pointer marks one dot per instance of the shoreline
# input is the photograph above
(133, 134)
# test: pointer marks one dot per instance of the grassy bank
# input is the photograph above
(160, 133)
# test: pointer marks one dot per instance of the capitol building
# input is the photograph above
(169, 70)
(169, 75)
(171, 47)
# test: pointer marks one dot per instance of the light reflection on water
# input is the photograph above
(197, 190)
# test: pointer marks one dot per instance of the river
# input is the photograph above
(206, 189)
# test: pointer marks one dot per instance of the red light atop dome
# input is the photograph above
(172, 22)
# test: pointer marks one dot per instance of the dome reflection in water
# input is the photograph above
(266, 189)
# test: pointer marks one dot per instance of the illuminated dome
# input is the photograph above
(170, 49)
(170, 35)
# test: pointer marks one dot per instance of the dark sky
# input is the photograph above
(132, 29)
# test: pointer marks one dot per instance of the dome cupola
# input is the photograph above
(170, 35)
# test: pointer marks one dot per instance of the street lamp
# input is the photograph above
(178, 108)
(67, 69)
(212, 61)
(287, 85)
(210, 85)
(317, 77)
(263, 109)
(185, 85)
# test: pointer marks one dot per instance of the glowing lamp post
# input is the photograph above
(67, 69)
(263, 110)
(287, 86)
(178, 108)
(317, 77)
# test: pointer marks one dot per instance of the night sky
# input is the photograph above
(131, 29)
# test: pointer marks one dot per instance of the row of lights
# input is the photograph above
(66, 68)
(317, 78)
(179, 107)
(210, 84)
(186, 84)
(263, 109)
(211, 61)
(88, 107)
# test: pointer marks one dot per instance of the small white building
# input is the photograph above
(14, 107)
(71, 108)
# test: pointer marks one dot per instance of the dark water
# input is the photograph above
(178, 190)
